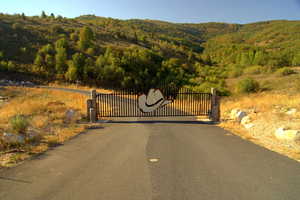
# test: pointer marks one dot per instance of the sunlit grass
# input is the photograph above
(46, 112)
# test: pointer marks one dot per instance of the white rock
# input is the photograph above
(70, 114)
(248, 126)
(13, 138)
(289, 135)
(291, 111)
(245, 120)
(233, 113)
(240, 115)
(237, 114)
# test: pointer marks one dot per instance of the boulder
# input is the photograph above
(70, 115)
(240, 115)
(288, 135)
(248, 126)
(237, 115)
(233, 113)
(291, 111)
(13, 138)
(245, 120)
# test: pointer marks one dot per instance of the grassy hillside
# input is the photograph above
(141, 53)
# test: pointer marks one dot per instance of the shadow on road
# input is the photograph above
(158, 122)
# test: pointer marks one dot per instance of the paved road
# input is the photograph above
(196, 162)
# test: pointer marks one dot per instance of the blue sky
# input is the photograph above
(192, 11)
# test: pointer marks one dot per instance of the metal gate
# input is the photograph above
(164, 102)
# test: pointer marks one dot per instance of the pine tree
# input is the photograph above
(79, 62)
(43, 15)
(85, 38)
(49, 62)
(71, 74)
(61, 43)
(23, 16)
(38, 63)
(60, 60)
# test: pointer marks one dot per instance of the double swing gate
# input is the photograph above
(163, 102)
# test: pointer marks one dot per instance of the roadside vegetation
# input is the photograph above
(275, 105)
(253, 66)
(33, 120)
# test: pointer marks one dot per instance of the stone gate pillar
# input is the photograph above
(215, 108)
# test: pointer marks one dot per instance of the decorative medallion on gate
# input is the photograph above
(153, 101)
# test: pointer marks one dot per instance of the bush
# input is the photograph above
(265, 85)
(206, 87)
(17, 26)
(19, 124)
(247, 85)
(235, 73)
(285, 71)
(297, 83)
(254, 70)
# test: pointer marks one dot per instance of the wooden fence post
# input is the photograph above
(215, 112)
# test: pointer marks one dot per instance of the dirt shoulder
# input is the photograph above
(266, 113)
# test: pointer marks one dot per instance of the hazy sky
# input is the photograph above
(194, 11)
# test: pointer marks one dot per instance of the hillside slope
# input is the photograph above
(127, 53)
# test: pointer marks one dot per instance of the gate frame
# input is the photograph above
(92, 107)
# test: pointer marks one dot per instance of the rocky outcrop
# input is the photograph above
(287, 135)
(241, 117)
(16, 83)
(292, 111)
(247, 122)
(10, 138)
(70, 116)
(237, 115)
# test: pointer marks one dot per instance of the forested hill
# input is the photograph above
(126, 53)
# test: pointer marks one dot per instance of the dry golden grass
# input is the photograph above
(46, 109)
(263, 102)
(36, 101)
(268, 112)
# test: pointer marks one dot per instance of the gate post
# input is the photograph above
(93, 107)
(215, 101)
(89, 104)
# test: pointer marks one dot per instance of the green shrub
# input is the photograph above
(17, 26)
(297, 83)
(247, 85)
(234, 73)
(206, 87)
(19, 124)
(285, 71)
(256, 69)
(265, 85)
